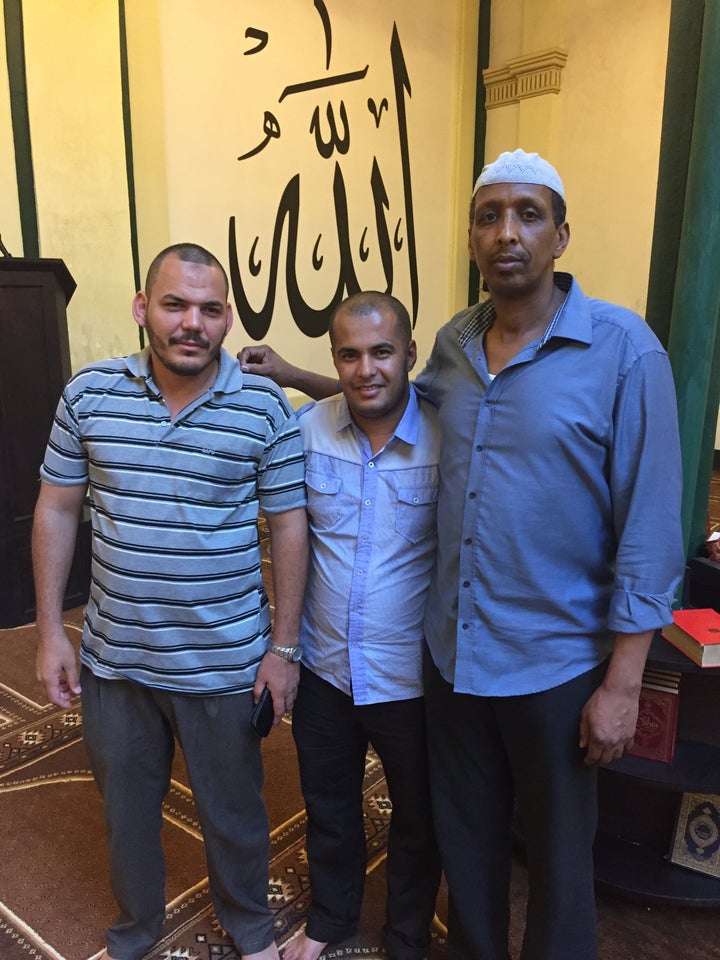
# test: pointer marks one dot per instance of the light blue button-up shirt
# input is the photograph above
(559, 509)
(372, 549)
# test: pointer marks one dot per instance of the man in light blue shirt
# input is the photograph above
(372, 457)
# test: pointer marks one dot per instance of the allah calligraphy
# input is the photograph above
(342, 110)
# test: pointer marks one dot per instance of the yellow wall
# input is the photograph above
(198, 101)
(9, 208)
(148, 128)
(602, 131)
(194, 114)
(74, 101)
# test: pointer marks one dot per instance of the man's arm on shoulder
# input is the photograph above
(608, 719)
(263, 360)
(289, 551)
(53, 543)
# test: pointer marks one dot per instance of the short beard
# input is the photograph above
(180, 369)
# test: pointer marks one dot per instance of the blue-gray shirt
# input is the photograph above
(559, 510)
(372, 548)
(177, 599)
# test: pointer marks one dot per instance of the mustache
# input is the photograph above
(507, 258)
(190, 338)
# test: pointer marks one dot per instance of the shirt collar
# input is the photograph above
(571, 322)
(407, 428)
(229, 377)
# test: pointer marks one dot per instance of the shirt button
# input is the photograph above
(370, 463)
(465, 626)
(322, 486)
(368, 502)
(467, 541)
(479, 448)
(472, 495)
(489, 403)
(466, 583)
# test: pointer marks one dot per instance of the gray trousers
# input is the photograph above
(129, 733)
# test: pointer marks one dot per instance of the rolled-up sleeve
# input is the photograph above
(646, 488)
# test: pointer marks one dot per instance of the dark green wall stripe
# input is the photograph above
(686, 22)
(20, 119)
(483, 62)
(693, 344)
(129, 164)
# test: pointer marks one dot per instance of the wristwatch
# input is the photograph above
(291, 654)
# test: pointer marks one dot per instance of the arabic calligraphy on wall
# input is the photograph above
(343, 220)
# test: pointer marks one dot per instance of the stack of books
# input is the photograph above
(696, 633)
(656, 729)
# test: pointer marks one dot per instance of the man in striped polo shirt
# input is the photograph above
(176, 449)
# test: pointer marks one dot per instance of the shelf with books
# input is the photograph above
(639, 799)
(695, 767)
(643, 872)
(696, 633)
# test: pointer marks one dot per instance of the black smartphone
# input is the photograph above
(263, 713)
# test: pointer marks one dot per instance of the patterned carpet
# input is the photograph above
(54, 898)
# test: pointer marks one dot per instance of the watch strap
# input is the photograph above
(291, 654)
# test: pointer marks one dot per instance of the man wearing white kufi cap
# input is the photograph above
(559, 554)
(521, 167)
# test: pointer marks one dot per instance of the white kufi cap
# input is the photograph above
(520, 167)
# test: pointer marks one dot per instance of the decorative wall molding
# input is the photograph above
(531, 75)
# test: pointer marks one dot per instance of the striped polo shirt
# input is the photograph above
(176, 599)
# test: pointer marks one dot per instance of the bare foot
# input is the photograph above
(303, 948)
(269, 953)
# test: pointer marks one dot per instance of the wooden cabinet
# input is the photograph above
(34, 365)
(639, 799)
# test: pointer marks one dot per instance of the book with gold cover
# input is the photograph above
(696, 840)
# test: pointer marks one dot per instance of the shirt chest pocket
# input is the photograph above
(324, 502)
(416, 514)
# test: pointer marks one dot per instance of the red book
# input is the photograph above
(657, 721)
(696, 633)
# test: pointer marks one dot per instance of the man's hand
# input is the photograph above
(56, 668)
(263, 361)
(53, 541)
(609, 718)
(289, 548)
(282, 678)
(607, 724)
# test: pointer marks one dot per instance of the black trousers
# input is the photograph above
(485, 752)
(332, 736)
